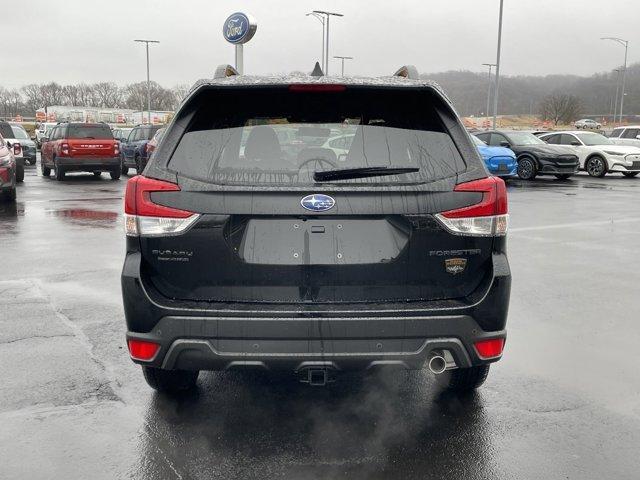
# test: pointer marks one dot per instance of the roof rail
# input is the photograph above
(224, 71)
(407, 71)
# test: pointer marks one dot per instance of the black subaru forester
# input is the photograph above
(315, 225)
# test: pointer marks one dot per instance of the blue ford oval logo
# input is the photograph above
(317, 202)
(238, 28)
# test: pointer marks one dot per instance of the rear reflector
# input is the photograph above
(145, 218)
(490, 348)
(142, 350)
(484, 219)
(316, 87)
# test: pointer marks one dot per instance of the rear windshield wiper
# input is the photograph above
(362, 172)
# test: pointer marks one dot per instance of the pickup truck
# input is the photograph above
(628, 135)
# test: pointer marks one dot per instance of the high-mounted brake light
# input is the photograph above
(316, 87)
(142, 350)
(17, 148)
(490, 348)
(484, 219)
(143, 217)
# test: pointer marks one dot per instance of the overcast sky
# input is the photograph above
(90, 41)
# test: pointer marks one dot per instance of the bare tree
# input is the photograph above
(161, 98)
(560, 108)
(34, 96)
(108, 94)
(180, 91)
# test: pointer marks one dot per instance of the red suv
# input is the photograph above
(80, 147)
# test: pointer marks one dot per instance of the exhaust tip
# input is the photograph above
(437, 364)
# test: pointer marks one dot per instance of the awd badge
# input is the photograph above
(455, 266)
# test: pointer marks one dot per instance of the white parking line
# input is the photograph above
(574, 225)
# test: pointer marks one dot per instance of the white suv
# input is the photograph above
(598, 155)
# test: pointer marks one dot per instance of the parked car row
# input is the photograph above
(7, 171)
(561, 154)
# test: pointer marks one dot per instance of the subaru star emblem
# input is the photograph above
(317, 202)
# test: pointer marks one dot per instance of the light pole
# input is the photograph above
(624, 70)
(147, 42)
(490, 65)
(343, 59)
(615, 103)
(321, 19)
(495, 97)
(327, 16)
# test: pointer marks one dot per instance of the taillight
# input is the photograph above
(142, 350)
(17, 149)
(64, 149)
(116, 149)
(146, 147)
(145, 218)
(484, 219)
(489, 348)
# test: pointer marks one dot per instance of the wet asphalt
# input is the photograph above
(564, 402)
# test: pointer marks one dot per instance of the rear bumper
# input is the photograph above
(199, 337)
(88, 164)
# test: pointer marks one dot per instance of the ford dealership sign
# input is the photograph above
(239, 28)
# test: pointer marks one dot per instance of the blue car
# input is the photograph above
(134, 151)
(500, 161)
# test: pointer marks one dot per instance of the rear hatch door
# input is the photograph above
(268, 232)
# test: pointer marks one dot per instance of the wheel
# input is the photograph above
(563, 176)
(467, 379)
(527, 168)
(58, 171)
(139, 167)
(115, 174)
(19, 173)
(123, 168)
(170, 381)
(9, 195)
(46, 171)
(596, 167)
(630, 174)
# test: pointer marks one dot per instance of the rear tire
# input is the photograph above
(563, 176)
(19, 173)
(170, 381)
(123, 168)
(630, 174)
(9, 195)
(139, 167)
(527, 168)
(596, 167)
(46, 171)
(115, 174)
(59, 171)
(467, 379)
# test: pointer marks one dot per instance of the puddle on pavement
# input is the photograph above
(84, 216)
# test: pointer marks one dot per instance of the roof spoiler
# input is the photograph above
(408, 71)
(224, 71)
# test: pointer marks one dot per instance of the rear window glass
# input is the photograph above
(273, 136)
(89, 131)
(5, 130)
(19, 133)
